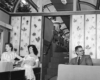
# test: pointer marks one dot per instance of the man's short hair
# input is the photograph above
(77, 47)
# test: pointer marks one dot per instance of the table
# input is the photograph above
(18, 74)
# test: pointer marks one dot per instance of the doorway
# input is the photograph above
(56, 44)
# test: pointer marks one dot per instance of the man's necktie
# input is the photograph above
(79, 59)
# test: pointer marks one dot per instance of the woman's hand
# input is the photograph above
(22, 64)
(13, 61)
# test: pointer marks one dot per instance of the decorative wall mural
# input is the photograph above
(98, 36)
(36, 32)
(28, 31)
(77, 32)
(84, 33)
(25, 35)
(90, 34)
(15, 33)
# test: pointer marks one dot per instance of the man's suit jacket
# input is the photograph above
(85, 60)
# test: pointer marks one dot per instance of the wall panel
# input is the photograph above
(77, 32)
(98, 36)
(15, 33)
(88, 28)
(26, 30)
(36, 32)
(25, 35)
(90, 35)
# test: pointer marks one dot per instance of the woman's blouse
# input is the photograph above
(9, 57)
(30, 60)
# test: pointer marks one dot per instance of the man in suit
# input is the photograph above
(81, 59)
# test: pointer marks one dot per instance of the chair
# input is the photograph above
(6, 66)
(96, 62)
(78, 72)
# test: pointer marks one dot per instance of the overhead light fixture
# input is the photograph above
(64, 1)
(24, 1)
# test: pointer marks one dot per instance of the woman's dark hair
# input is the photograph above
(10, 45)
(15, 49)
(34, 49)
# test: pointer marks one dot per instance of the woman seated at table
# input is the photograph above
(30, 61)
(9, 55)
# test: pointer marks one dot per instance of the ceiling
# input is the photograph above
(9, 5)
(49, 6)
(59, 6)
(63, 7)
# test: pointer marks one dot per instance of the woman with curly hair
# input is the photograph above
(30, 61)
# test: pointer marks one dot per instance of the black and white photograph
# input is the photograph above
(49, 40)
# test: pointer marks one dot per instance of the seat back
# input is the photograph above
(78, 72)
(96, 62)
(6, 66)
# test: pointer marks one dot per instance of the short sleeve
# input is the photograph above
(2, 56)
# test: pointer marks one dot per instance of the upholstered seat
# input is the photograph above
(96, 62)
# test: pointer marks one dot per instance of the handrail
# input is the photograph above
(46, 6)
(86, 3)
(49, 46)
(89, 4)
